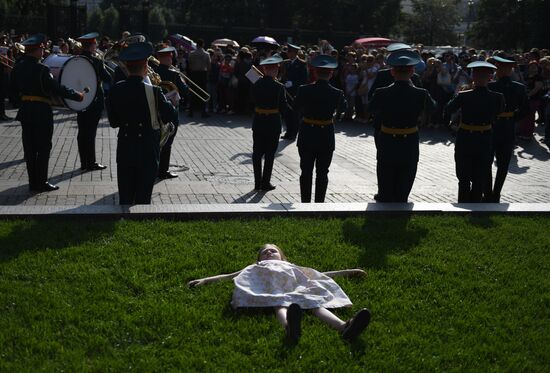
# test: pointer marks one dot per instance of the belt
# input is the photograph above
(266, 111)
(36, 99)
(399, 131)
(317, 122)
(476, 128)
(506, 114)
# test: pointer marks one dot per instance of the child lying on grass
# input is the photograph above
(288, 288)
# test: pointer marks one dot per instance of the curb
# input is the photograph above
(258, 210)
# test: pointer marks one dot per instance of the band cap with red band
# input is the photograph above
(90, 38)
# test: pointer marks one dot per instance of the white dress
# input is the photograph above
(271, 283)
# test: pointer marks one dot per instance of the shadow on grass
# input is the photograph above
(380, 236)
(482, 221)
(37, 235)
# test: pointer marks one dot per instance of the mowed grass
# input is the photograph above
(446, 293)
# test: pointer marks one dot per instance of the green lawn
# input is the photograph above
(446, 293)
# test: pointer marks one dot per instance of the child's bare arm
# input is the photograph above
(346, 272)
(207, 280)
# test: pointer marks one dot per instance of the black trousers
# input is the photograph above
(473, 158)
(37, 144)
(165, 153)
(320, 159)
(396, 165)
(291, 118)
(503, 149)
(87, 122)
(135, 184)
(200, 78)
(395, 179)
(264, 146)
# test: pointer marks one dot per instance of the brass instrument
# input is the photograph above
(6, 61)
(193, 87)
(112, 56)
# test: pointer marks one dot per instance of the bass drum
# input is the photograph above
(76, 72)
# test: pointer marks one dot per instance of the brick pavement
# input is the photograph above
(218, 153)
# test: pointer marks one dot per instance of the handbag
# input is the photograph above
(166, 129)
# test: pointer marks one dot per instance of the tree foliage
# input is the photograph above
(432, 23)
(95, 20)
(506, 24)
(111, 22)
(376, 17)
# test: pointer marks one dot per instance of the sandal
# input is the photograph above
(355, 326)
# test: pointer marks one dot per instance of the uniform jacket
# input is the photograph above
(102, 76)
(515, 96)
(32, 78)
(127, 109)
(479, 106)
(400, 104)
(295, 72)
(384, 78)
(268, 94)
(318, 101)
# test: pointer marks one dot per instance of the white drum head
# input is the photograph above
(79, 73)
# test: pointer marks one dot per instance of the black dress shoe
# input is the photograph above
(46, 187)
(376, 197)
(355, 326)
(286, 136)
(97, 167)
(167, 175)
(267, 187)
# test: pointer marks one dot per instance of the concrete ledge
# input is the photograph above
(221, 211)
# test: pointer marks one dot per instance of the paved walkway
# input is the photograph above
(218, 153)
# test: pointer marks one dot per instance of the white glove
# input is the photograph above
(288, 84)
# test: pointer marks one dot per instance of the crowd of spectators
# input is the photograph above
(443, 73)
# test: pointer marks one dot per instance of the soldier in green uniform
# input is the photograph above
(474, 140)
(270, 102)
(398, 107)
(168, 74)
(138, 148)
(517, 107)
(293, 76)
(383, 79)
(318, 103)
(88, 119)
(32, 84)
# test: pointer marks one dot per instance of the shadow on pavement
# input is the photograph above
(8, 164)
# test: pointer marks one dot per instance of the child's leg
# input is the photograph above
(330, 318)
(280, 313)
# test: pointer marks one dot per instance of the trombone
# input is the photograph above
(6, 61)
(193, 87)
